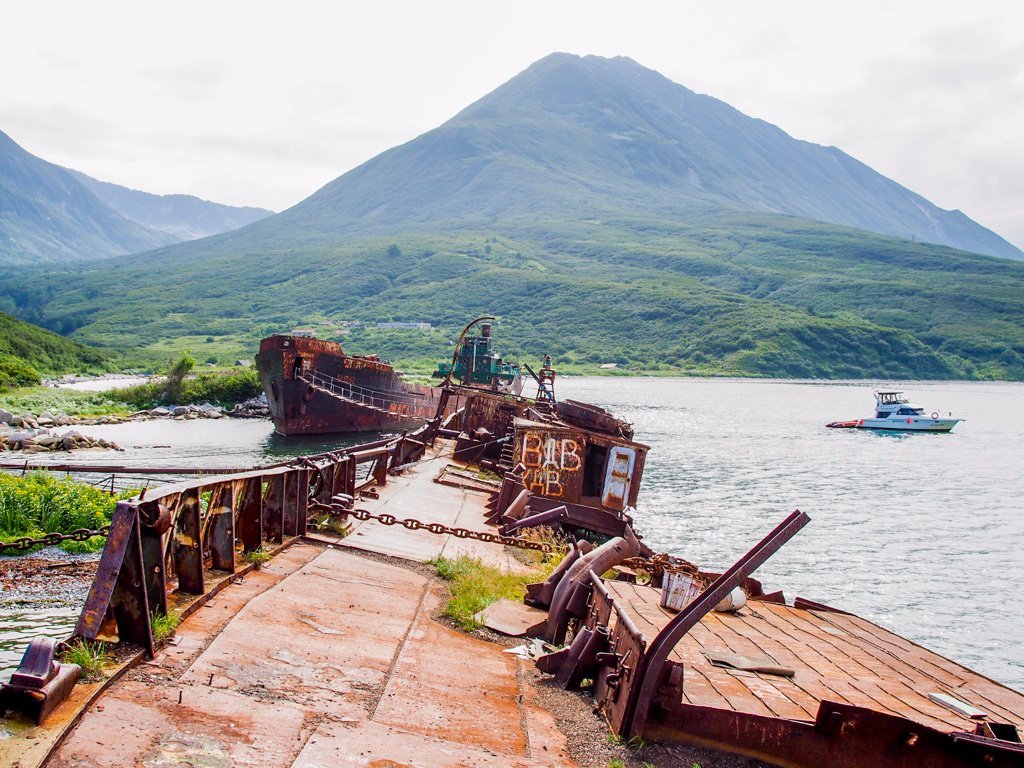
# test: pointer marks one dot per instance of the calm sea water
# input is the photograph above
(920, 533)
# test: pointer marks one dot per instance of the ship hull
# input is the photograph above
(313, 387)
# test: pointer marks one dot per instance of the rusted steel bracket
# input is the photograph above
(119, 588)
(551, 516)
(41, 682)
(643, 691)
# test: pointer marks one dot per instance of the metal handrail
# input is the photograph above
(354, 392)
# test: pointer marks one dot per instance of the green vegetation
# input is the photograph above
(737, 294)
(41, 503)
(257, 557)
(28, 352)
(67, 401)
(475, 585)
(216, 387)
(164, 626)
(624, 226)
(91, 657)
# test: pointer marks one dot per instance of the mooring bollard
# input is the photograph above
(41, 682)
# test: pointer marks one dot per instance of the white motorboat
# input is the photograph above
(894, 411)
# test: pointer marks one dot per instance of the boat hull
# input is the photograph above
(911, 424)
(313, 387)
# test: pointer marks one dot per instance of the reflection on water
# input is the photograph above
(276, 446)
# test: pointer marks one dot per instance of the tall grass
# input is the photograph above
(41, 503)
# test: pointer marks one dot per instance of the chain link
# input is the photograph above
(412, 524)
(657, 565)
(51, 539)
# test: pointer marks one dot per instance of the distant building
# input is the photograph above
(308, 332)
(407, 326)
(608, 366)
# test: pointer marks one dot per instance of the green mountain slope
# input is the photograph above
(46, 215)
(27, 351)
(607, 215)
(743, 295)
(590, 136)
(184, 217)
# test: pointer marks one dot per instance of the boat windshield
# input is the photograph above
(890, 398)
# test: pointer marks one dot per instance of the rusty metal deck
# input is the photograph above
(323, 658)
(415, 495)
(836, 657)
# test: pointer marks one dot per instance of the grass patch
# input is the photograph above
(164, 626)
(475, 585)
(41, 503)
(91, 657)
(257, 557)
(69, 402)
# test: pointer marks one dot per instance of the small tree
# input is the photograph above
(176, 373)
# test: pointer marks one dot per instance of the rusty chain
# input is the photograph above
(657, 565)
(24, 544)
(412, 524)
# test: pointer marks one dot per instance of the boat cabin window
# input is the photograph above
(594, 459)
(910, 411)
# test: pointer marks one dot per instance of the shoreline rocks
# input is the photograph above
(43, 439)
(29, 433)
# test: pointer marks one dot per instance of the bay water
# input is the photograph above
(921, 533)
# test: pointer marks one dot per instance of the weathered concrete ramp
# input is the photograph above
(336, 663)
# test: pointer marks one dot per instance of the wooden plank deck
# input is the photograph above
(837, 657)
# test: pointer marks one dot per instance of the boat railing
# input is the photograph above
(193, 537)
(371, 397)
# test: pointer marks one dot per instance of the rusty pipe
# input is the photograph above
(539, 595)
(608, 555)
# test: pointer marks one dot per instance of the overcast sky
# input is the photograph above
(261, 103)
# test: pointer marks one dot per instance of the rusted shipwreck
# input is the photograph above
(314, 387)
(794, 684)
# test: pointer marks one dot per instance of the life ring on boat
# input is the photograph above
(935, 415)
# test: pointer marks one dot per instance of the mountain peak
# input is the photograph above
(578, 135)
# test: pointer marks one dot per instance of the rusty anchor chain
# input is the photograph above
(412, 524)
(24, 544)
(660, 564)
